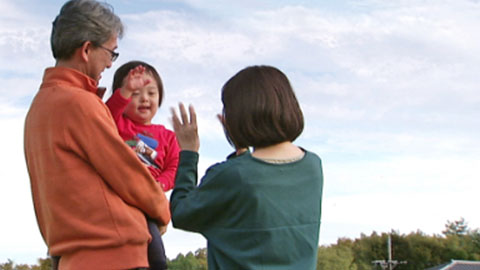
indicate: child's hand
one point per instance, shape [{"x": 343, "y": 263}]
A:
[{"x": 134, "y": 81}]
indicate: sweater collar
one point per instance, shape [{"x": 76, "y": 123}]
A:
[{"x": 72, "y": 77}]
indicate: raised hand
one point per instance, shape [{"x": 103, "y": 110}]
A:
[
  {"x": 185, "y": 129},
  {"x": 134, "y": 81}
]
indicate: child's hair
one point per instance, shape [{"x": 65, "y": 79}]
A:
[
  {"x": 122, "y": 72},
  {"x": 260, "y": 108}
]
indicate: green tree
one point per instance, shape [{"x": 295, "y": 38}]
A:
[
  {"x": 419, "y": 250},
  {"x": 475, "y": 243},
  {"x": 336, "y": 257},
  {"x": 187, "y": 262},
  {"x": 10, "y": 265},
  {"x": 44, "y": 264},
  {"x": 23, "y": 267},
  {"x": 369, "y": 248},
  {"x": 7, "y": 266},
  {"x": 456, "y": 227},
  {"x": 201, "y": 255}
]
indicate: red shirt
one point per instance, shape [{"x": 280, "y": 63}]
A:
[{"x": 167, "y": 148}]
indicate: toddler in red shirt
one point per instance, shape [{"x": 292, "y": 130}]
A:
[{"x": 137, "y": 94}]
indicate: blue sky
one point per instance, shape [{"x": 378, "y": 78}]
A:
[{"x": 389, "y": 90}]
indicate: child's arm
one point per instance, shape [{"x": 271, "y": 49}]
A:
[{"x": 117, "y": 104}]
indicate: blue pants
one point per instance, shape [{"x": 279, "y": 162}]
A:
[{"x": 156, "y": 251}]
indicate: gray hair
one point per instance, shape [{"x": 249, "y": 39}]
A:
[{"x": 80, "y": 21}]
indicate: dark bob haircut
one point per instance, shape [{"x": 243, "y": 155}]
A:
[
  {"x": 122, "y": 72},
  {"x": 260, "y": 108}
]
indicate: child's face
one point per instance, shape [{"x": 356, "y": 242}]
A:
[{"x": 144, "y": 104}]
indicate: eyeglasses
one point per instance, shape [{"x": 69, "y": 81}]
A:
[{"x": 112, "y": 53}]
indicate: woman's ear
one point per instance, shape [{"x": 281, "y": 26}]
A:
[{"x": 221, "y": 118}]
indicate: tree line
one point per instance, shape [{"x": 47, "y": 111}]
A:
[{"x": 417, "y": 249}]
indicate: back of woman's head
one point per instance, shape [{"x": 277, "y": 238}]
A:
[
  {"x": 260, "y": 108},
  {"x": 80, "y": 21},
  {"x": 122, "y": 72}
]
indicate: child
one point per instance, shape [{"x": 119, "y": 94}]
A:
[
  {"x": 258, "y": 210},
  {"x": 137, "y": 93}
]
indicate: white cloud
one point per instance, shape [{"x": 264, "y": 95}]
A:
[
  {"x": 10, "y": 11},
  {"x": 402, "y": 174},
  {"x": 7, "y": 110}
]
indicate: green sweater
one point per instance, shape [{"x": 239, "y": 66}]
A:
[{"x": 254, "y": 214}]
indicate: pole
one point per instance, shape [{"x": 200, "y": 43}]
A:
[{"x": 390, "y": 253}]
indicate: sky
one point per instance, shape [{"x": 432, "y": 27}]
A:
[{"x": 389, "y": 91}]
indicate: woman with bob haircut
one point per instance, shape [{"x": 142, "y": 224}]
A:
[{"x": 258, "y": 209}]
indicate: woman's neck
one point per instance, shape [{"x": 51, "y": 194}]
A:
[{"x": 283, "y": 150}]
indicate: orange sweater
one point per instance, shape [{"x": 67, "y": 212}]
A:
[{"x": 90, "y": 191}]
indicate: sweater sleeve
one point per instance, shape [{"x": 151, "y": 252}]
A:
[
  {"x": 117, "y": 104},
  {"x": 195, "y": 208},
  {"x": 166, "y": 175},
  {"x": 102, "y": 147}
]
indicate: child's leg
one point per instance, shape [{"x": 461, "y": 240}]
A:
[
  {"x": 55, "y": 261},
  {"x": 156, "y": 251}
]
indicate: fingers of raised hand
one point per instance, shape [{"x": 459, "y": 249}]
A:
[
  {"x": 175, "y": 121},
  {"x": 185, "y": 128},
  {"x": 193, "y": 116},
  {"x": 183, "y": 113},
  {"x": 138, "y": 70},
  {"x": 189, "y": 118},
  {"x": 136, "y": 77}
]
